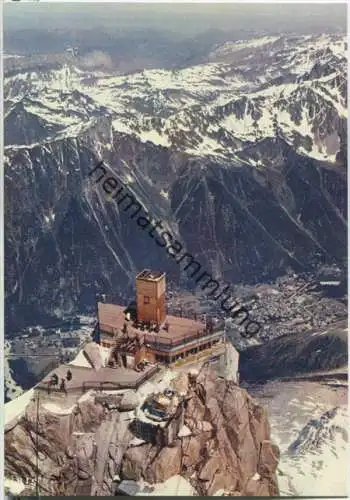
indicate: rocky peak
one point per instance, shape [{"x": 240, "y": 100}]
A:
[{"x": 223, "y": 447}]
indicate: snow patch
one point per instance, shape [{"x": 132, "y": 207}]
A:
[
  {"x": 58, "y": 410},
  {"x": 184, "y": 432},
  {"x": 155, "y": 137},
  {"x": 16, "y": 408},
  {"x": 15, "y": 487},
  {"x": 80, "y": 360}
]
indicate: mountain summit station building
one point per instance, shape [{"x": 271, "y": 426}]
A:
[{"x": 146, "y": 332}]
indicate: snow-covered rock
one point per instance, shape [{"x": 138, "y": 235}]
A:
[{"x": 247, "y": 91}]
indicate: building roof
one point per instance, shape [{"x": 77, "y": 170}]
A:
[
  {"x": 149, "y": 275},
  {"x": 112, "y": 318}
]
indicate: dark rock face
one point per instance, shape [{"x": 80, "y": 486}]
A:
[
  {"x": 22, "y": 127},
  {"x": 65, "y": 241},
  {"x": 227, "y": 447},
  {"x": 298, "y": 354}
]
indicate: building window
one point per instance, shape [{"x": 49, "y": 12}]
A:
[{"x": 146, "y": 299}]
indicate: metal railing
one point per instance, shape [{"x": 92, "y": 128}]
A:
[
  {"x": 169, "y": 343},
  {"x": 100, "y": 385}
]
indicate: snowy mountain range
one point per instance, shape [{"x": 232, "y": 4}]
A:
[
  {"x": 293, "y": 87},
  {"x": 242, "y": 155}
]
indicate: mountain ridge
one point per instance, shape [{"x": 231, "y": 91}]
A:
[{"x": 261, "y": 201}]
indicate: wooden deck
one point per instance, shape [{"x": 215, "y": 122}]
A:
[{"x": 85, "y": 379}]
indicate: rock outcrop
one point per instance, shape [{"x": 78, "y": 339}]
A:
[
  {"x": 129, "y": 401},
  {"x": 226, "y": 446},
  {"x": 229, "y": 363}
]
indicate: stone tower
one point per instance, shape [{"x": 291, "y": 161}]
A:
[{"x": 150, "y": 296}]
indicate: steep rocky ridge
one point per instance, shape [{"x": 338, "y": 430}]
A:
[
  {"x": 84, "y": 449},
  {"x": 298, "y": 354}
]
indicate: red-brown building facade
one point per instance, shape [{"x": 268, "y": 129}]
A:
[{"x": 150, "y": 296}]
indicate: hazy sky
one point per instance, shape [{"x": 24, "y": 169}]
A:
[{"x": 185, "y": 18}]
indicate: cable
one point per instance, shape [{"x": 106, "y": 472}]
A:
[
  {"x": 37, "y": 423},
  {"x": 37, "y": 445}
]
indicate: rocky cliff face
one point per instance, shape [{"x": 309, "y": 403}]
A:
[{"x": 226, "y": 446}]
